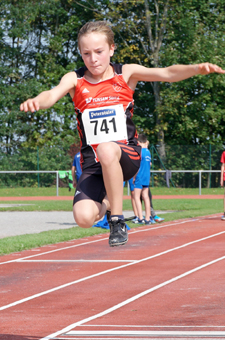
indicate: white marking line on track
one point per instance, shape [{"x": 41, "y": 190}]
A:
[
  {"x": 99, "y": 240},
  {"x": 82, "y": 261},
  {"x": 146, "y": 333},
  {"x": 52, "y": 251},
  {"x": 138, "y": 338},
  {"x": 153, "y": 326},
  {"x": 106, "y": 272},
  {"x": 135, "y": 297}
]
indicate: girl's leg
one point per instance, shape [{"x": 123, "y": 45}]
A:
[
  {"x": 118, "y": 162},
  {"x": 109, "y": 155},
  {"x": 90, "y": 200},
  {"x": 104, "y": 207},
  {"x": 87, "y": 212}
]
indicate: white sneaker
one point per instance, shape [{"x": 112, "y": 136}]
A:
[{"x": 223, "y": 218}]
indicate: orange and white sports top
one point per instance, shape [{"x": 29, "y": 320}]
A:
[{"x": 104, "y": 111}]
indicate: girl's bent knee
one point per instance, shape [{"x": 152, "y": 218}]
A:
[
  {"x": 84, "y": 220},
  {"x": 85, "y": 212}
]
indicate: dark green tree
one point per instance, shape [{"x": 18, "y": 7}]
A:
[
  {"x": 162, "y": 33},
  {"x": 38, "y": 41}
]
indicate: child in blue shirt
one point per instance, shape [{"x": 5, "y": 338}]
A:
[
  {"x": 76, "y": 169},
  {"x": 141, "y": 182}
]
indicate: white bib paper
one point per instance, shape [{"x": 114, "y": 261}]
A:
[{"x": 104, "y": 124}]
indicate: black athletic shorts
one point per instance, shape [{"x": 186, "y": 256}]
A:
[{"x": 91, "y": 184}]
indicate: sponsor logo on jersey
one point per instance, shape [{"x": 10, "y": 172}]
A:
[
  {"x": 117, "y": 87},
  {"x": 102, "y": 99},
  {"x": 102, "y": 113},
  {"x": 88, "y": 100}
]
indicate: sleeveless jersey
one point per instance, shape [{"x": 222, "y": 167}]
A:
[{"x": 104, "y": 111}]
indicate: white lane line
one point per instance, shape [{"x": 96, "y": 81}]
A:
[
  {"x": 53, "y": 251},
  {"x": 106, "y": 272},
  {"x": 99, "y": 240},
  {"x": 153, "y": 326},
  {"x": 135, "y": 297},
  {"x": 146, "y": 333},
  {"x": 81, "y": 261}
]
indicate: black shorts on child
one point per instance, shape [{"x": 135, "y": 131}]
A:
[{"x": 91, "y": 185}]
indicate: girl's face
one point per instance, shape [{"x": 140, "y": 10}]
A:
[{"x": 96, "y": 52}]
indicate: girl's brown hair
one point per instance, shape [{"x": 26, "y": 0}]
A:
[{"x": 102, "y": 27}]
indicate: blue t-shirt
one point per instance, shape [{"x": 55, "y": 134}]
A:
[
  {"x": 143, "y": 175},
  {"x": 76, "y": 163}
]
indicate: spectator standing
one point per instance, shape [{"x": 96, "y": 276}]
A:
[
  {"x": 154, "y": 218},
  {"x": 141, "y": 182},
  {"x": 76, "y": 169},
  {"x": 131, "y": 186}
]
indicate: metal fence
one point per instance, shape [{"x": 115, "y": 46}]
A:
[
  {"x": 40, "y": 162},
  {"x": 199, "y": 172},
  {"x": 37, "y": 173}
]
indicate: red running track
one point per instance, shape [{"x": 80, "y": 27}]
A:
[{"x": 167, "y": 282}]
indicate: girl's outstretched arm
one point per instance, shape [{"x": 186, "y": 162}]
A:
[
  {"x": 133, "y": 73},
  {"x": 48, "y": 98}
]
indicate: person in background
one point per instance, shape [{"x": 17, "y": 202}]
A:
[
  {"x": 131, "y": 185},
  {"x": 222, "y": 181},
  {"x": 154, "y": 218},
  {"x": 141, "y": 182},
  {"x": 76, "y": 169}
]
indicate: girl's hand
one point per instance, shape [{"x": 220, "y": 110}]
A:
[
  {"x": 30, "y": 105},
  {"x": 206, "y": 68}
]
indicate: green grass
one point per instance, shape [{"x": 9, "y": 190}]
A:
[
  {"x": 14, "y": 244},
  {"x": 20, "y": 192},
  {"x": 38, "y": 205},
  {"x": 184, "y": 191},
  {"x": 185, "y": 208}
]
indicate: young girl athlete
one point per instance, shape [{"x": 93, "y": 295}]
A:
[{"x": 102, "y": 93}]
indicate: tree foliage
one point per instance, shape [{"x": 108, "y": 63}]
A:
[
  {"x": 162, "y": 33},
  {"x": 38, "y": 45}
]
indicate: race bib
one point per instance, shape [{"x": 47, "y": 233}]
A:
[{"x": 104, "y": 124}]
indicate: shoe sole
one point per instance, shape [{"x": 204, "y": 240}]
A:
[{"x": 118, "y": 243}]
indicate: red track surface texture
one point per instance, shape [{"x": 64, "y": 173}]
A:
[{"x": 167, "y": 282}]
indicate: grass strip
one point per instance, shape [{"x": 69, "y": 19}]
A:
[
  {"x": 19, "y": 243},
  {"x": 21, "y": 192},
  {"x": 185, "y": 208}
]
